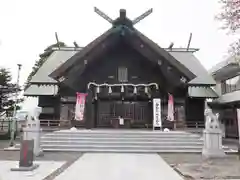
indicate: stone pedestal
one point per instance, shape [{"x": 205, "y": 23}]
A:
[
  {"x": 212, "y": 147},
  {"x": 33, "y": 131},
  {"x": 212, "y": 136}
]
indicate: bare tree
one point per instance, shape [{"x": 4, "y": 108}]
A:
[{"x": 230, "y": 16}]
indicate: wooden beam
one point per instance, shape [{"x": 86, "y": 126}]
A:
[
  {"x": 103, "y": 15},
  {"x": 142, "y": 16}
]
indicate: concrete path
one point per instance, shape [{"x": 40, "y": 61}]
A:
[
  {"x": 45, "y": 168},
  {"x": 119, "y": 166}
]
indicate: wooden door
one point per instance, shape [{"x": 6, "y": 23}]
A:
[
  {"x": 136, "y": 113},
  {"x": 142, "y": 114}
]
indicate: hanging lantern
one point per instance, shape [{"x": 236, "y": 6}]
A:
[
  {"x": 109, "y": 90},
  {"x": 135, "y": 90},
  {"x": 98, "y": 89},
  {"x": 95, "y": 97},
  {"x": 122, "y": 89},
  {"x": 149, "y": 95},
  {"x": 146, "y": 89}
]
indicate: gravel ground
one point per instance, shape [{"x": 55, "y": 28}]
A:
[{"x": 193, "y": 166}]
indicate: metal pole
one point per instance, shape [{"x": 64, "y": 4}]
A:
[{"x": 13, "y": 126}]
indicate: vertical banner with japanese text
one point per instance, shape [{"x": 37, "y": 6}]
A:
[
  {"x": 170, "y": 115},
  {"x": 80, "y": 106},
  {"x": 157, "y": 120}
]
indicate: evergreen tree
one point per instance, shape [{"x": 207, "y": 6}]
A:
[
  {"x": 43, "y": 57},
  {"x": 7, "y": 91}
]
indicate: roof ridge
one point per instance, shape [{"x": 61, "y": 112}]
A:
[{"x": 67, "y": 48}]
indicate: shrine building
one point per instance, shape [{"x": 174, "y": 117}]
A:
[{"x": 121, "y": 72}]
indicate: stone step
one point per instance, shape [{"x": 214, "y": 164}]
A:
[
  {"x": 139, "y": 150},
  {"x": 119, "y": 132},
  {"x": 123, "y": 136},
  {"x": 114, "y": 150},
  {"x": 119, "y": 139},
  {"x": 118, "y": 146},
  {"x": 123, "y": 143}
]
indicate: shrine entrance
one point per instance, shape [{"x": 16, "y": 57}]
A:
[{"x": 133, "y": 114}]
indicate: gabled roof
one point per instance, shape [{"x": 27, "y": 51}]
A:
[
  {"x": 202, "y": 80},
  {"x": 44, "y": 90},
  {"x": 187, "y": 58},
  {"x": 200, "y": 92},
  {"x": 194, "y": 65},
  {"x": 58, "y": 73},
  {"x": 230, "y": 60},
  {"x": 56, "y": 59},
  {"x": 68, "y": 64},
  {"x": 165, "y": 54},
  {"x": 189, "y": 61},
  {"x": 184, "y": 60},
  {"x": 61, "y": 61},
  {"x": 225, "y": 69}
]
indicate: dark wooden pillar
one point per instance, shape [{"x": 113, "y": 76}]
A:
[
  {"x": 186, "y": 111},
  {"x": 89, "y": 111},
  {"x": 57, "y": 106}
]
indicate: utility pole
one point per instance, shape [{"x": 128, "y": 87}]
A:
[{"x": 13, "y": 122}]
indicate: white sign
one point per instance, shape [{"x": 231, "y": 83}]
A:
[
  {"x": 121, "y": 121},
  {"x": 238, "y": 118},
  {"x": 157, "y": 120}
]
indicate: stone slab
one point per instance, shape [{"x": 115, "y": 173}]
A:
[
  {"x": 31, "y": 168},
  {"x": 119, "y": 166},
  {"x": 45, "y": 168}
]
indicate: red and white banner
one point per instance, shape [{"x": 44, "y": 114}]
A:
[
  {"x": 170, "y": 115},
  {"x": 80, "y": 106}
]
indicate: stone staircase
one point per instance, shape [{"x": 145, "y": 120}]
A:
[{"x": 121, "y": 141}]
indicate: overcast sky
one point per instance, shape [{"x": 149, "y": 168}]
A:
[{"x": 27, "y": 26}]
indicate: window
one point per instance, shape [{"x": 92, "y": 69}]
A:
[
  {"x": 231, "y": 85},
  {"x": 122, "y": 74}
]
